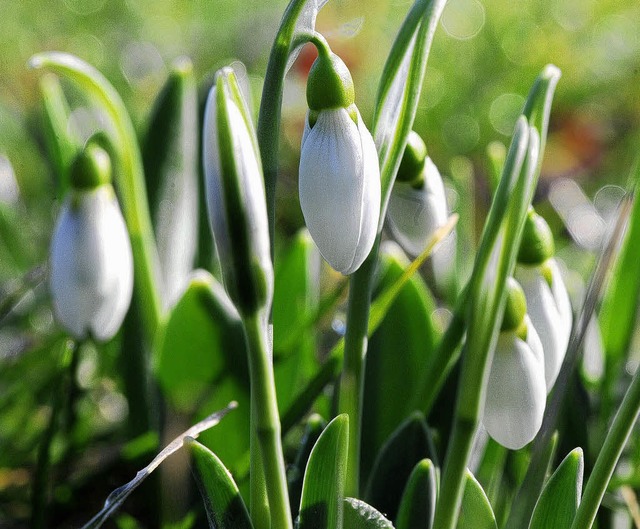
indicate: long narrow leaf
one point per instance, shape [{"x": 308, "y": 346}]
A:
[
  {"x": 620, "y": 303},
  {"x": 61, "y": 144},
  {"x": 117, "y": 497},
  {"x": 170, "y": 156},
  {"x": 400, "y": 88}
]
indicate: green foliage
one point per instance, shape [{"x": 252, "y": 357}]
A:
[
  {"x": 222, "y": 500},
  {"x": 475, "y": 510},
  {"x": 418, "y": 503},
  {"x": 296, "y": 296},
  {"x": 397, "y": 357},
  {"x": 408, "y": 445},
  {"x": 560, "y": 497},
  {"x": 200, "y": 345},
  {"x": 360, "y": 515},
  {"x": 322, "y": 501}
]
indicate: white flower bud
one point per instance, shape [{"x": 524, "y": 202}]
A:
[
  {"x": 236, "y": 197},
  {"x": 416, "y": 213},
  {"x": 516, "y": 390},
  {"x": 340, "y": 187},
  {"x": 549, "y": 308},
  {"x": 91, "y": 274}
]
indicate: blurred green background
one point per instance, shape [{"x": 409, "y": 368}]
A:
[{"x": 484, "y": 58}]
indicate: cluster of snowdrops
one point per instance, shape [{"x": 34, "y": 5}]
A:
[{"x": 513, "y": 317}]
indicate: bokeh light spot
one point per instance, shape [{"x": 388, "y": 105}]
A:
[
  {"x": 504, "y": 112},
  {"x": 141, "y": 61},
  {"x": 463, "y": 19}
]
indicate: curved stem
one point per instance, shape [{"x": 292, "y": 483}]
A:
[
  {"x": 129, "y": 179},
  {"x": 265, "y": 424},
  {"x": 268, "y": 130}
]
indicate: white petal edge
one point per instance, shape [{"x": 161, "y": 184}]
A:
[
  {"x": 415, "y": 214},
  {"x": 550, "y": 311},
  {"x": 331, "y": 187},
  {"x": 516, "y": 390}
]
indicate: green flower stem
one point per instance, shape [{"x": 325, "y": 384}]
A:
[
  {"x": 609, "y": 455},
  {"x": 379, "y": 308},
  {"x": 258, "y": 498},
  {"x": 355, "y": 348},
  {"x": 43, "y": 465},
  {"x": 268, "y": 130},
  {"x": 265, "y": 424},
  {"x": 486, "y": 302}
]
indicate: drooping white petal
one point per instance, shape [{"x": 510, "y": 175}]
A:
[
  {"x": 370, "y": 212},
  {"x": 91, "y": 265},
  {"x": 516, "y": 390},
  {"x": 414, "y": 214},
  {"x": 550, "y": 311},
  {"x": 340, "y": 188}
]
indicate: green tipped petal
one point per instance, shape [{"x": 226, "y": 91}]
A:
[
  {"x": 329, "y": 84},
  {"x": 413, "y": 159},
  {"x": 537, "y": 240},
  {"x": 91, "y": 168},
  {"x": 516, "y": 308}
]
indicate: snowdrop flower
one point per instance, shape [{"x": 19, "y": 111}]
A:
[
  {"x": 516, "y": 390},
  {"x": 547, "y": 299},
  {"x": 236, "y": 198},
  {"x": 417, "y": 206},
  {"x": 91, "y": 265},
  {"x": 339, "y": 177}
]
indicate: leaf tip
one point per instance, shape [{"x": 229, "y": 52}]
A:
[
  {"x": 36, "y": 61},
  {"x": 551, "y": 73}
]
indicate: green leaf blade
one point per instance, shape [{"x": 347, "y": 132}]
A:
[
  {"x": 322, "y": 502},
  {"x": 400, "y": 88},
  {"x": 202, "y": 332},
  {"x": 418, "y": 503},
  {"x": 397, "y": 355},
  {"x": 560, "y": 498},
  {"x": 408, "y": 445},
  {"x": 223, "y": 503},
  {"x": 361, "y": 515},
  {"x": 475, "y": 511}
]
